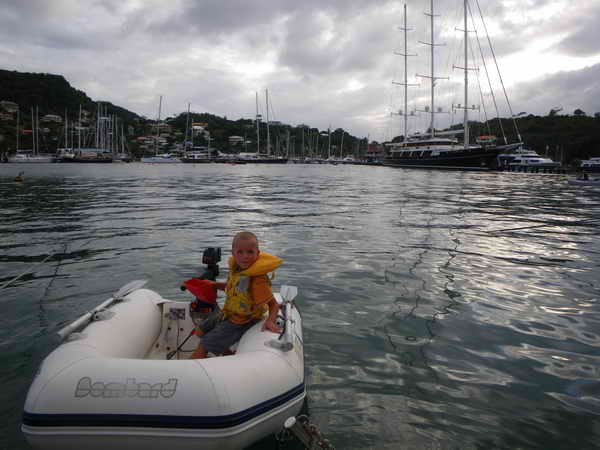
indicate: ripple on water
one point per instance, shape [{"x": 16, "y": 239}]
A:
[{"x": 440, "y": 309}]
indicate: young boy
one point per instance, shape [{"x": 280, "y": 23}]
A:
[{"x": 249, "y": 297}]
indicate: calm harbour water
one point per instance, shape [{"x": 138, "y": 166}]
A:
[{"x": 442, "y": 310}]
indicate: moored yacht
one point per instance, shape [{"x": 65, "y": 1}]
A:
[
  {"x": 198, "y": 155},
  {"x": 590, "y": 165},
  {"x": 260, "y": 158},
  {"x": 441, "y": 150},
  {"x": 522, "y": 158},
  {"x": 162, "y": 158},
  {"x": 27, "y": 156}
]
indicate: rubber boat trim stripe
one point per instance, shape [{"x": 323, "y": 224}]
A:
[{"x": 160, "y": 421}]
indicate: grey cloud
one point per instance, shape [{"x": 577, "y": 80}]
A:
[
  {"x": 131, "y": 52},
  {"x": 584, "y": 40},
  {"x": 570, "y": 90}
]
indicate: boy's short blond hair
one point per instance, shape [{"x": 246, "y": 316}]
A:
[{"x": 244, "y": 236}]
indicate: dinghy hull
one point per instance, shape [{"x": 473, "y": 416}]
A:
[{"x": 111, "y": 386}]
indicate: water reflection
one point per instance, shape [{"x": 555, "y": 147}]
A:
[{"x": 441, "y": 310}]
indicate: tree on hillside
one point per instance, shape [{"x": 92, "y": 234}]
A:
[{"x": 555, "y": 111}]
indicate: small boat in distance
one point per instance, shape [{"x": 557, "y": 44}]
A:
[
  {"x": 522, "y": 158},
  {"x": 28, "y": 156},
  {"x": 85, "y": 155},
  {"x": 591, "y": 165},
  {"x": 159, "y": 158},
  {"x": 197, "y": 156},
  {"x": 260, "y": 158},
  {"x": 162, "y": 158}
]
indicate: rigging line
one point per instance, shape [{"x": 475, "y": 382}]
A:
[
  {"x": 498, "y": 70},
  {"x": 489, "y": 82},
  {"x": 64, "y": 251},
  {"x": 38, "y": 264},
  {"x": 27, "y": 271},
  {"x": 487, "y": 124},
  {"x": 270, "y": 106}
]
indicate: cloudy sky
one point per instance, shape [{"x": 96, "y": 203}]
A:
[{"x": 324, "y": 62}]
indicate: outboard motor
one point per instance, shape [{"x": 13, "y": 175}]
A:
[{"x": 202, "y": 288}]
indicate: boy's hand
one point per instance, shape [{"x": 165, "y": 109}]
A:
[{"x": 271, "y": 326}]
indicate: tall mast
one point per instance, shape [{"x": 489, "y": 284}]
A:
[
  {"x": 32, "y": 130},
  {"x": 187, "y": 129},
  {"x": 466, "y": 69},
  {"x": 79, "y": 129},
  {"x": 405, "y": 84},
  {"x": 18, "y": 118},
  {"x": 257, "y": 127},
  {"x": 466, "y": 116},
  {"x": 158, "y": 126},
  {"x": 66, "y": 131},
  {"x": 432, "y": 77},
  {"x": 98, "y": 125},
  {"x": 37, "y": 129},
  {"x": 268, "y": 138}
]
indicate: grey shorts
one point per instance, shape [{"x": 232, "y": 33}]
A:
[{"x": 219, "y": 334}]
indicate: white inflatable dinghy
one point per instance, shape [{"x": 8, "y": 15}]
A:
[{"x": 111, "y": 386}]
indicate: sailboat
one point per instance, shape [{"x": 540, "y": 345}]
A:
[
  {"x": 195, "y": 154},
  {"x": 159, "y": 158},
  {"x": 33, "y": 155},
  {"x": 261, "y": 158},
  {"x": 100, "y": 152},
  {"x": 442, "y": 150}
]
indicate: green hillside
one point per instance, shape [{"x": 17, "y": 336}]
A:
[{"x": 52, "y": 94}]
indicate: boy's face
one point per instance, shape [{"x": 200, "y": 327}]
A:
[{"x": 245, "y": 253}]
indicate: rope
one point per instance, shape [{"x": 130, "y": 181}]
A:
[
  {"x": 27, "y": 271},
  {"x": 42, "y": 262}
]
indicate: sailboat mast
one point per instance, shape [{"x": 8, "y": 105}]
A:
[
  {"x": 158, "y": 126},
  {"x": 466, "y": 116},
  {"x": 432, "y": 76},
  {"x": 37, "y": 129},
  {"x": 405, "y": 76},
  {"x": 257, "y": 127},
  {"x": 32, "y": 131},
  {"x": 404, "y": 113},
  {"x": 79, "y": 129},
  {"x": 431, "y": 123},
  {"x": 187, "y": 129},
  {"x": 268, "y": 138},
  {"x": 66, "y": 131},
  {"x": 18, "y": 120},
  {"x": 406, "y": 84}
]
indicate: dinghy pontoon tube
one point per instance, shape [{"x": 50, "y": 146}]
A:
[{"x": 110, "y": 386}]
